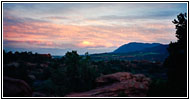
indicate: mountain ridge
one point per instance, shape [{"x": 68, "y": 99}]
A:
[{"x": 144, "y": 47}]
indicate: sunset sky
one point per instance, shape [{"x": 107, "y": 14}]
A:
[{"x": 56, "y": 28}]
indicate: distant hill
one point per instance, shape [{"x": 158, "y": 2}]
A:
[
  {"x": 161, "y": 49},
  {"x": 135, "y": 51},
  {"x": 143, "y": 47}
]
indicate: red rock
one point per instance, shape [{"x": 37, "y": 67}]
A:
[
  {"x": 15, "y": 88},
  {"x": 132, "y": 85},
  {"x": 111, "y": 78}
]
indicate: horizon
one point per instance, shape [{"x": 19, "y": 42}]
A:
[
  {"x": 56, "y": 28},
  {"x": 74, "y": 50}
]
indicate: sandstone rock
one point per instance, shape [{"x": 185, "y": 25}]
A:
[
  {"x": 113, "y": 84},
  {"x": 117, "y": 77},
  {"x": 15, "y": 88}
]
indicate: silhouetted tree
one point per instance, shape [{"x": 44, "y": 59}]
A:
[
  {"x": 79, "y": 71},
  {"x": 177, "y": 59},
  {"x": 77, "y": 74},
  {"x": 72, "y": 60}
]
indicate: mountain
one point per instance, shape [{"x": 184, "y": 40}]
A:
[
  {"x": 135, "y": 46},
  {"x": 135, "y": 51},
  {"x": 161, "y": 49}
]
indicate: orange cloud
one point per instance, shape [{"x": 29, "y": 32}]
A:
[{"x": 46, "y": 34}]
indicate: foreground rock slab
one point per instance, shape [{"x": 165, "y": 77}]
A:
[
  {"x": 118, "y": 84},
  {"x": 15, "y": 88}
]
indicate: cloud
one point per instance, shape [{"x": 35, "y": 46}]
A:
[
  {"x": 104, "y": 26},
  {"x": 34, "y": 33},
  {"x": 11, "y": 20},
  {"x": 35, "y": 44},
  {"x": 147, "y": 16},
  {"x": 56, "y": 18}
]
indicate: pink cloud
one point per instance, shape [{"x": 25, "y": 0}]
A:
[{"x": 47, "y": 34}]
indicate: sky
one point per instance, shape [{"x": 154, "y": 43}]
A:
[{"x": 56, "y": 28}]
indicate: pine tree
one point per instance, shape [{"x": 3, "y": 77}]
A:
[{"x": 177, "y": 59}]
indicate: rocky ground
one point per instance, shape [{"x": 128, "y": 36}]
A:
[
  {"x": 112, "y": 85},
  {"x": 118, "y": 84}
]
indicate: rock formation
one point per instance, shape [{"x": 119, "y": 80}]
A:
[
  {"x": 15, "y": 88},
  {"x": 117, "y": 84}
]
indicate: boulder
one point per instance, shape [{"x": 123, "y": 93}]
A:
[
  {"x": 113, "y": 85},
  {"x": 112, "y": 78},
  {"x": 15, "y": 88}
]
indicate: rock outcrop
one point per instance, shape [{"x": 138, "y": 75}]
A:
[
  {"x": 118, "y": 84},
  {"x": 15, "y": 88}
]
